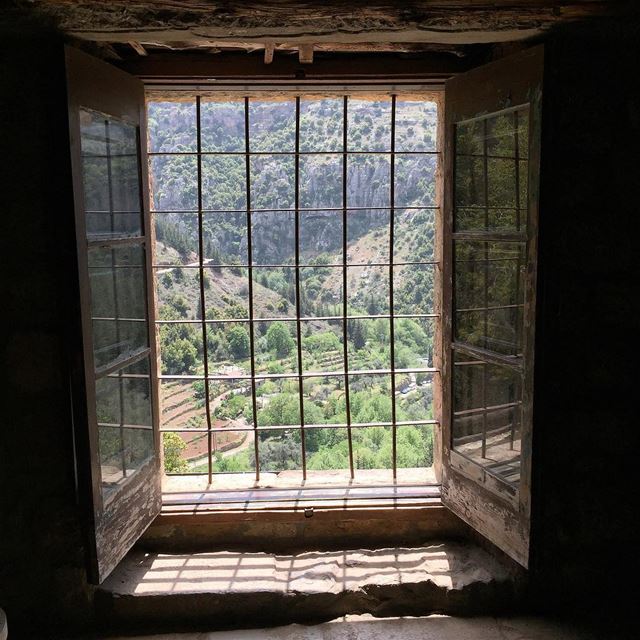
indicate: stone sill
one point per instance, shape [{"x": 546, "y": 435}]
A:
[{"x": 288, "y": 491}]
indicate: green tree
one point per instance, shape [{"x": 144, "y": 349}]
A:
[
  {"x": 279, "y": 340},
  {"x": 173, "y": 446},
  {"x": 239, "y": 343}
]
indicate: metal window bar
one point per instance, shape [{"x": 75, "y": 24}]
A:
[
  {"x": 345, "y": 303},
  {"x": 252, "y": 352},
  {"x": 210, "y": 430},
  {"x": 207, "y": 401},
  {"x": 303, "y": 447}
]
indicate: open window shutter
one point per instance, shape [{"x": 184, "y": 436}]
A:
[
  {"x": 492, "y": 152},
  {"x": 107, "y": 125}
]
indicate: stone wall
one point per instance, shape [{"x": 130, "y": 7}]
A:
[
  {"x": 585, "y": 423},
  {"x": 42, "y": 574}
]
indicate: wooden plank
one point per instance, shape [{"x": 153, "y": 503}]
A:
[
  {"x": 305, "y": 53},
  {"x": 138, "y": 48},
  {"x": 269, "y": 49}
]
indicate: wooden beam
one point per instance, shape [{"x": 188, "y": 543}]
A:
[
  {"x": 298, "y": 21},
  {"x": 176, "y": 66},
  {"x": 269, "y": 48},
  {"x": 138, "y": 48},
  {"x": 305, "y": 53}
]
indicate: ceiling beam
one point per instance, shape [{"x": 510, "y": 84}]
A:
[{"x": 299, "y": 21}]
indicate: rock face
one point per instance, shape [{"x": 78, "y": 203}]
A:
[{"x": 230, "y": 589}]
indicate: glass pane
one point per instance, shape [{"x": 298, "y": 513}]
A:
[
  {"x": 369, "y": 125},
  {"x": 111, "y": 460},
  {"x": 182, "y": 404},
  {"x": 272, "y": 125},
  {"x": 274, "y": 292},
  {"x": 273, "y": 237},
  {"x": 172, "y": 126},
  {"x": 181, "y": 350},
  {"x": 273, "y": 182},
  {"x": 123, "y": 398},
  {"x": 118, "y": 302},
  {"x": 370, "y": 398},
  {"x": 320, "y": 237},
  {"x": 501, "y": 182},
  {"x": 174, "y": 183},
  {"x": 93, "y": 133},
  {"x": 321, "y": 292},
  {"x": 123, "y": 406},
  {"x": 280, "y": 450},
  {"x": 470, "y": 188},
  {"x": 414, "y": 396},
  {"x": 226, "y": 293},
  {"x": 368, "y": 290},
  {"x": 368, "y": 236},
  {"x": 222, "y": 126},
  {"x": 324, "y": 400},
  {"x": 321, "y": 124},
  {"x": 278, "y": 402},
  {"x": 413, "y": 342},
  {"x": 224, "y": 180},
  {"x": 176, "y": 239},
  {"x": 125, "y": 184},
  {"x": 489, "y": 295},
  {"x": 368, "y": 344},
  {"x": 414, "y": 235},
  {"x": 416, "y": 125},
  {"x": 321, "y": 181},
  {"x": 415, "y": 180},
  {"x": 178, "y": 293},
  {"x": 491, "y": 179},
  {"x": 368, "y": 181},
  {"x": 487, "y": 406},
  {"x": 138, "y": 448},
  {"x": 225, "y": 238},
  {"x": 231, "y": 405},
  {"x": 276, "y": 347},
  {"x": 322, "y": 348},
  {"x": 110, "y": 176}
]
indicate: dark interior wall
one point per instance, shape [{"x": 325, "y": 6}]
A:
[
  {"x": 585, "y": 467},
  {"x": 586, "y": 443},
  {"x": 42, "y": 574}
]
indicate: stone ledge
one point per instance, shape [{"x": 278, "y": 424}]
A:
[{"x": 228, "y": 589}]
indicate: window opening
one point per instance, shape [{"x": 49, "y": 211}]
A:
[{"x": 296, "y": 270}]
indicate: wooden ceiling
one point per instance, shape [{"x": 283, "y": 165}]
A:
[{"x": 124, "y": 28}]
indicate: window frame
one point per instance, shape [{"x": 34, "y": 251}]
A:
[{"x": 397, "y": 91}]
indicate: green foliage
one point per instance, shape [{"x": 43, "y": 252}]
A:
[
  {"x": 239, "y": 344},
  {"x": 279, "y": 340},
  {"x": 173, "y": 446}
]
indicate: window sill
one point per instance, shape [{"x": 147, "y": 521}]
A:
[{"x": 286, "y": 491}]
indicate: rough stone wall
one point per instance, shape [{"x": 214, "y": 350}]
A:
[
  {"x": 42, "y": 575},
  {"x": 586, "y": 426}
]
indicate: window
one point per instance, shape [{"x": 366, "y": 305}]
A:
[{"x": 296, "y": 273}]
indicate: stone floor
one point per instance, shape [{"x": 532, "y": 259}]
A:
[{"x": 428, "y": 628}]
